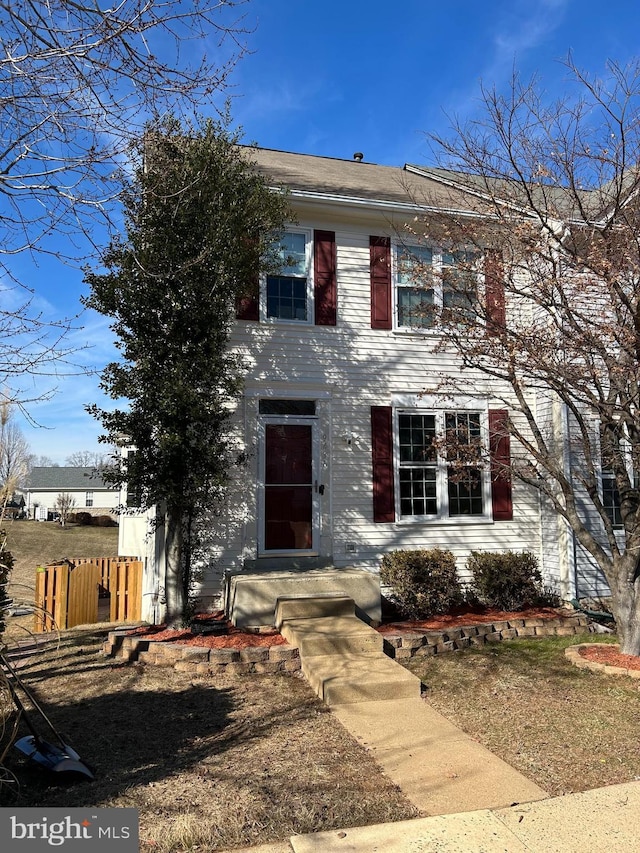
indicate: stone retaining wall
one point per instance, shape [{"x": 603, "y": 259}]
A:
[
  {"x": 203, "y": 660},
  {"x": 406, "y": 644}
]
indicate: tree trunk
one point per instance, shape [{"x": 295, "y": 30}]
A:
[
  {"x": 626, "y": 605},
  {"x": 173, "y": 580}
]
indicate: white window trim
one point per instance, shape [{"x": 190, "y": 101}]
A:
[
  {"x": 442, "y": 492},
  {"x": 308, "y": 235},
  {"x": 437, "y": 254}
]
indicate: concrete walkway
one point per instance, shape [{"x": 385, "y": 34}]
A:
[
  {"x": 438, "y": 767},
  {"x": 605, "y": 819},
  {"x": 473, "y": 801}
]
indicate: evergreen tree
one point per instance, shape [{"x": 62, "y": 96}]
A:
[{"x": 200, "y": 223}]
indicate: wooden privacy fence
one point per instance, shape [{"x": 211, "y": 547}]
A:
[{"x": 83, "y": 591}]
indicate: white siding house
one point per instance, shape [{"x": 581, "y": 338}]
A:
[
  {"x": 339, "y": 386},
  {"x": 85, "y": 486},
  {"x": 344, "y": 395}
]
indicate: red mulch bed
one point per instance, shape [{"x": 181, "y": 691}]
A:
[
  {"x": 459, "y": 618},
  {"x": 230, "y": 637},
  {"x": 609, "y": 655}
]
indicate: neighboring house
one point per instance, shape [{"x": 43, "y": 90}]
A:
[
  {"x": 341, "y": 400},
  {"x": 85, "y": 485}
]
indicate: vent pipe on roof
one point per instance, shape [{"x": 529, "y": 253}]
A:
[{"x": 358, "y": 156}]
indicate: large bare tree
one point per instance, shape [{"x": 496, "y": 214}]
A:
[
  {"x": 553, "y": 189},
  {"x": 78, "y": 81},
  {"x": 14, "y": 454}
]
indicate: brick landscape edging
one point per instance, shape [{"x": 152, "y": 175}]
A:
[
  {"x": 408, "y": 644},
  {"x": 202, "y": 660}
]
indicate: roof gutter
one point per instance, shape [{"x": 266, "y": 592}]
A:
[{"x": 379, "y": 204}]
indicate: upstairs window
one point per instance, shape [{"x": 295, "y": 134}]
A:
[
  {"x": 287, "y": 292},
  {"x": 460, "y": 284},
  {"x": 414, "y": 283},
  {"x": 430, "y": 282},
  {"x": 88, "y": 499}
]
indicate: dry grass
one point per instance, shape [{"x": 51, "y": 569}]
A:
[
  {"x": 211, "y": 764},
  {"x": 565, "y": 728},
  {"x": 36, "y": 543}
]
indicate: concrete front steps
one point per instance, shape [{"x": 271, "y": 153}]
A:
[{"x": 342, "y": 658}]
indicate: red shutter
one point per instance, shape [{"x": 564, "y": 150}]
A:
[
  {"x": 382, "y": 445},
  {"x": 324, "y": 277},
  {"x": 380, "y": 261},
  {"x": 494, "y": 289},
  {"x": 500, "y": 453}
]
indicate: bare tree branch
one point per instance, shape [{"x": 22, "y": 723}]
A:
[
  {"x": 556, "y": 189},
  {"x": 78, "y": 82}
]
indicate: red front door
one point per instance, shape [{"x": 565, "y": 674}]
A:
[{"x": 288, "y": 487}]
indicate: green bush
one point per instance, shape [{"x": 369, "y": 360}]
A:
[
  {"x": 83, "y": 518},
  {"x": 422, "y": 582},
  {"x": 508, "y": 580}
]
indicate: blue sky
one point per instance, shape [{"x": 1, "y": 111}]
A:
[{"x": 337, "y": 77}]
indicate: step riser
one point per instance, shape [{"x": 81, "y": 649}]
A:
[
  {"x": 339, "y": 646},
  {"x": 313, "y": 608},
  {"x": 347, "y": 691},
  {"x": 340, "y": 689},
  {"x": 367, "y": 642}
]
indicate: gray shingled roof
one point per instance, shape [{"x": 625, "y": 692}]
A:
[
  {"x": 65, "y": 478},
  {"x": 426, "y": 186},
  {"x": 349, "y": 179}
]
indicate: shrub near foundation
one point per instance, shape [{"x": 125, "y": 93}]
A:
[
  {"x": 423, "y": 582},
  {"x": 508, "y": 580}
]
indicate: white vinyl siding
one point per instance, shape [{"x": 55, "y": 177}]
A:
[{"x": 352, "y": 367}]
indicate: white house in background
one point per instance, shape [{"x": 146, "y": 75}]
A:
[
  {"x": 85, "y": 485},
  {"x": 335, "y": 423}
]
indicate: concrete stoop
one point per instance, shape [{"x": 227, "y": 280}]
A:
[
  {"x": 342, "y": 657},
  {"x": 252, "y": 598}
]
